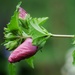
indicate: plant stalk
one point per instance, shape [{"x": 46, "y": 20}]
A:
[
  {"x": 12, "y": 69},
  {"x": 62, "y": 36}
]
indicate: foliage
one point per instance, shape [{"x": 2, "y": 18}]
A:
[{"x": 20, "y": 29}]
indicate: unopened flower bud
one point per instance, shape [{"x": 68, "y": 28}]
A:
[
  {"x": 25, "y": 50},
  {"x": 22, "y": 13}
]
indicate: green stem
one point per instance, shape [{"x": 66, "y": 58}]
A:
[
  {"x": 62, "y": 36},
  {"x": 12, "y": 69}
]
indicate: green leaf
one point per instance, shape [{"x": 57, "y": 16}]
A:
[
  {"x": 73, "y": 57},
  {"x": 10, "y": 45},
  {"x": 13, "y": 33},
  {"x": 24, "y": 25},
  {"x": 13, "y": 25},
  {"x": 40, "y": 42},
  {"x": 41, "y": 21},
  {"x": 11, "y": 69},
  {"x": 10, "y": 36},
  {"x": 39, "y": 33},
  {"x": 17, "y": 7},
  {"x": 30, "y": 61},
  {"x": 35, "y": 30}
]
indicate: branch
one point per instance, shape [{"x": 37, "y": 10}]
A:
[{"x": 62, "y": 36}]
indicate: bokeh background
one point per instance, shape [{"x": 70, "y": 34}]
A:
[{"x": 61, "y": 20}]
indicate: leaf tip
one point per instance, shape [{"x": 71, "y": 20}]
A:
[{"x": 18, "y": 5}]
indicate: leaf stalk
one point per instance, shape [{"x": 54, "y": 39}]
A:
[{"x": 62, "y": 36}]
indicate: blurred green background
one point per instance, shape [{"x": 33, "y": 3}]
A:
[{"x": 61, "y": 20}]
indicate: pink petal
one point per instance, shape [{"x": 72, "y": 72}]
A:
[
  {"x": 25, "y": 50},
  {"x": 22, "y": 13}
]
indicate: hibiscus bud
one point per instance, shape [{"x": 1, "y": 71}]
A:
[
  {"x": 22, "y": 13},
  {"x": 25, "y": 50}
]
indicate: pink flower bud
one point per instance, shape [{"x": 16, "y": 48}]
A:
[
  {"x": 22, "y": 13},
  {"x": 25, "y": 50}
]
